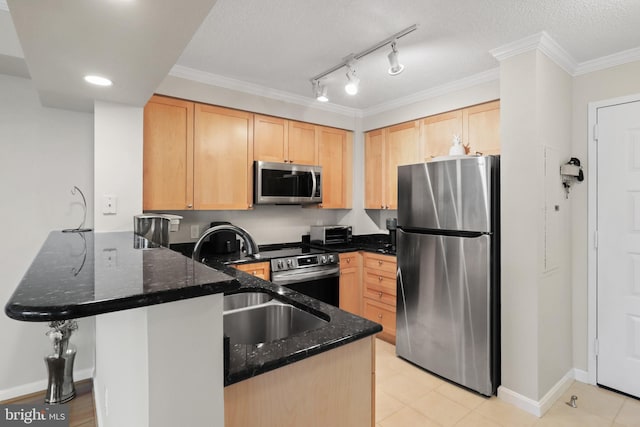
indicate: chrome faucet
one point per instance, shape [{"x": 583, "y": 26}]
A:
[{"x": 250, "y": 245}]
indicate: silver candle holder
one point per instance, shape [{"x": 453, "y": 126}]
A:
[{"x": 60, "y": 388}]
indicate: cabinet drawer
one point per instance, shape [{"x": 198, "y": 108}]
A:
[
  {"x": 383, "y": 314},
  {"x": 380, "y": 262},
  {"x": 376, "y": 281},
  {"x": 258, "y": 269},
  {"x": 350, "y": 259}
]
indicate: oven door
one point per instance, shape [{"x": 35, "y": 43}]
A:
[{"x": 321, "y": 283}]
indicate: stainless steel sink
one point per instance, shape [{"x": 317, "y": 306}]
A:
[
  {"x": 268, "y": 322},
  {"x": 245, "y": 299}
]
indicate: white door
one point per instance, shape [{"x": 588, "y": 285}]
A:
[{"x": 618, "y": 224}]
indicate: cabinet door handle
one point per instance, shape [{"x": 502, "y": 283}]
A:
[
  {"x": 381, "y": 206},
  {"x": 379, "y": 262},
  {"x": 379, "y": 278},
  {"x": 348, "y": 260},
  {"x": 189, "y": 205},
  {"x": 379, "y": 316},
  {"x": 379, "y": 294}
]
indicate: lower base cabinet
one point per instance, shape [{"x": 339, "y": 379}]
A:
[
  {"x": 258, "y": 269},
  {"x": 379, "y": 292},
  {"x": 335, "y": 388}
]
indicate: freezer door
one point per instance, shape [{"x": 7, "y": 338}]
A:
[
  {"x": 448, "y": 194},
  {"x": 443, "y": 314}
]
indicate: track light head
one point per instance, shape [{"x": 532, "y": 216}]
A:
[
  {"x": 352, "y": 82},
  {"x": 320, "y": 91},
  {"x": 395, "y": 67}
]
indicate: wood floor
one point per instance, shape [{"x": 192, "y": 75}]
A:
[{"x": 81, "y": 408}]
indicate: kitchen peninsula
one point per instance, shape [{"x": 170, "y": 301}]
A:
[{"x": 159, "y": 354}]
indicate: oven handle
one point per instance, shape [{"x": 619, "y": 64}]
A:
[{"x": 297, "y": 277}]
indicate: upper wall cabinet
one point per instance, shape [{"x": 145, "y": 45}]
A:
[
  {"x": 335, "y": 155},
  {"x": 385, "y": 150},
  {"x": 223, "y": 158},
  {"x": 481, "y": 128},
  {"x": 280, "y": 140},
  {"x": 196, "y": 156},
  {"x": 477, "y": 126},
  {"x": 168, "y": 154}
]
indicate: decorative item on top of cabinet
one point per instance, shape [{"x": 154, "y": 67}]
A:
[
  {"x": 335, "y": 154},
  {"x": 258, "y": 269},
  {"x": 385, "y": 150},
  {"x": 438, "y": 131},
  {"x": 379, "y": 277},
  {"x": 223, "y": 158},
  {"x": 350, "y": 282},
  {"x": 167, "y": 178},
  {"x": 279, "y": 140}
]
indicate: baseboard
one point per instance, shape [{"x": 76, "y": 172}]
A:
[
  {"x": 36, "y": 386},
  {"x": 582, "y": 376},
  {"x": 540, "y": 407}
]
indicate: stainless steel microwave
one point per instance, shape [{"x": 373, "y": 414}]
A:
[{"x": 286, "y": 183}]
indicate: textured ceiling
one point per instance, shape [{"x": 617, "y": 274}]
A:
[
  {"x": 282, "y": 44},
  {"x": 276, "y": 46}
]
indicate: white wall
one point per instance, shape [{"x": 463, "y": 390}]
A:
[
  {"x": 536, "y": 292},
  {"x": 118, "y": 164},
  {"x": 45, "y": 152},
  {"x": 610, "y": 83}
]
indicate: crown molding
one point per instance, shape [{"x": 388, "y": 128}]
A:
[
  {"x": 540, "y": 41},
  {"x": 476, "y": 79},
  {"x": 608, "y": 61},
  {"x": 4, "y": 6},
  {"x": 258, "y": 90}
]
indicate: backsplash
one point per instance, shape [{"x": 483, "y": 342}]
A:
[{"x": 266, "y": 224}]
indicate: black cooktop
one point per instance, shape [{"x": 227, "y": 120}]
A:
[{"x": 289, "y": 250}]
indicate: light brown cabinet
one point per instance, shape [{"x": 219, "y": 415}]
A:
[
  {"x": 379, "y": 292},
  {"x": 385, "y": 150},
  {"x": 280, "y": 140},
  {"x": 334, "y": 388},
  {"x": 196, "y": 156},
  {"x": 477, "y": 126},
  {"x": 258, "y": 269},
  {"x": 481, "y": 128},
  {"x": 335, "y": 155},
  {"x": 222, "y": 158},
  {"x": 350, "y": 282},
  {"x": 167, "y": 180}
]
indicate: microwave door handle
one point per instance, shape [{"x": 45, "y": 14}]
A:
[{"x": 313, "y": 181}]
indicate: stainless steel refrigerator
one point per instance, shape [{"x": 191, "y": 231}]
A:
[{"x": 449, "y": 269}]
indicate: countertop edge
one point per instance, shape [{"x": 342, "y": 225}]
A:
[{"x": 75, "y": 311}]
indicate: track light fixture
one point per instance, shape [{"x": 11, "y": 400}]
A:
[
  {"x": 353, "y": 82},
  {"x": 395, "y": 67},
  {"x": 320, "y": 91}
]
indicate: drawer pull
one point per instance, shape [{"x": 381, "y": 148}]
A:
[
  {"x": 379, "y": 278},
  {"x": 380, "y": 294},
  {"x": 379, "y": 262},
  {"x": 379, "y": 316},
  {"x": 348, "y": 260}
]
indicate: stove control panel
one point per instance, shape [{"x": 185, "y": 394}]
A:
[{"x": 304, "y": 261}]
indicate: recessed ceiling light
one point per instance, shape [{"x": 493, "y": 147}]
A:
[{"x": 97, "y": 80}]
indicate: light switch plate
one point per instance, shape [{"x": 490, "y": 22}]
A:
[
  {"x": 109, "y": 204},
  {"x": 195, "y": 231}
]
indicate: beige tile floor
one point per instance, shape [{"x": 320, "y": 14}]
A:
[{"x": 410, "y": 397}]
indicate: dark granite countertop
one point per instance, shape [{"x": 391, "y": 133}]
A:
[
  {"x": 246, "y": 361},
  {"x": 83, "y": 274}
]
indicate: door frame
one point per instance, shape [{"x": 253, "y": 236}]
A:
[{"x": 592, "y": 259}]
